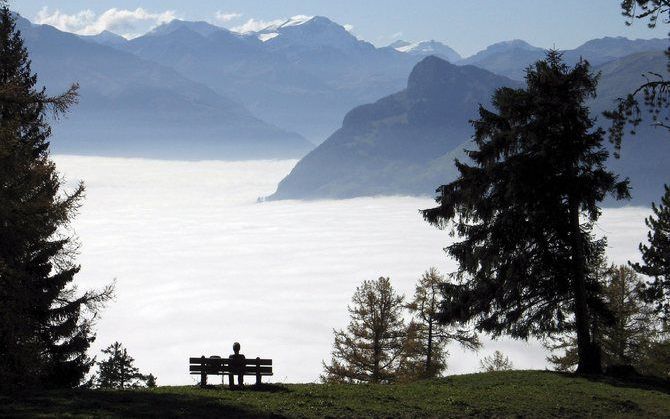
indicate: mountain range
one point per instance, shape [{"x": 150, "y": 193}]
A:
[
  {"x": 406, "y": 143},
  {"x": 134, "y": 107},
  {"x": 304, "y": 74},
  {"x": 301, "y": 75},
  {"x": 195, "y": 90},
  {"x": 511, "y": 58}
]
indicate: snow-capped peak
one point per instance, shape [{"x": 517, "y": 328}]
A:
[
  {"x": 293, "y": 21},
  {"x": 409, "y": 46},
  {"x": 296, "y": 21},
  {"x": 425, "y": 48}
]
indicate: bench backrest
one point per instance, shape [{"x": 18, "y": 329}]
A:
[{"x": 217, "y": 366}]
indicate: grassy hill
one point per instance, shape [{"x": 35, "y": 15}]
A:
[{"x": 501, "y": 394}]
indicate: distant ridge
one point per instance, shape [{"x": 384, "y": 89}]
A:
[{"x": 402, "y": 144}]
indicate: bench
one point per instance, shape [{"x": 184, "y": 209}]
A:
[{"x": 215, "y": 365}]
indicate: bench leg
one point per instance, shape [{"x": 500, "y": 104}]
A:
[
  {"x": 230, "y": 381},
  {"x": 203, "y": 372},
  {"x": 258, "y": 370}
]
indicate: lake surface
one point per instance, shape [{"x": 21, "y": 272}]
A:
[{"x": 199, "y": 264}]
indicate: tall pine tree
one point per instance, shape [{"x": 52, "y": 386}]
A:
[
  {"x": 45, "y": 325},
  {"x": 656, "y": 255},
  {"x": 525, "y": 209}
]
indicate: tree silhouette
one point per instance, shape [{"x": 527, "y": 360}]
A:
[
  {"x": 631, "y": 338},
  {"x": 372, "y": 347},
  {"x": 656, "y": 255},
  {"x": 525, "y": 210},
  {"x": 150, "y": 381},
  {"x": 45, "y": 324},
  {"x": 119, "y": 372},
  {"x": 430, "y": 335},
  {"x": 496, "y": 362}
]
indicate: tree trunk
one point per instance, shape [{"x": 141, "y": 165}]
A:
[
  {"x": 429, "y": 352},
  {"x": 376, "y": 355},
  {"x": 588, "y": 351}
]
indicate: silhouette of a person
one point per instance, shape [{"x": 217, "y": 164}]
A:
[{"x": 237, "y": 363}]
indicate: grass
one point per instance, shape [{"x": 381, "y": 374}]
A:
[{"x": 501, "y": 394}]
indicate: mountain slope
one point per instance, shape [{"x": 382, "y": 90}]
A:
[
  {"x": 399, "y": 144},
  {"x": 603, "y": 50},
  {"x": 133, "y": 107},
  {"x": 509, "y": 58}
]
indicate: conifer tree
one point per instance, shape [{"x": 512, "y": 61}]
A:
[
  {"x": 525, "y": 209},
  {"x": 150, "y": 380},
  {"x": 372, "y": 347},
  {"x": 430, "y": 335},
  {"x": 496, "y": 362},
  {"x": 118, "y": 371},
  {"x": 45, "y": 324},
  {"x": 656, "y": 255},
  {"x": 632, "y": 334}
]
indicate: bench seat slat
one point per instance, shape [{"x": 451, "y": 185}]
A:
[
  {"x": 226, "y": 361},
  {"x": 226, "y": 370}
]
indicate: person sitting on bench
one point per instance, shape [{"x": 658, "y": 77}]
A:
[{"x": 237, "y": 364}]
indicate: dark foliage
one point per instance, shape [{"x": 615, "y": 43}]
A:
[
  {"x": 635, "y": 338},
  {"x": 45, "y": 324},
  {"x": 525, "y": 210},
  {"x": 656, "y": 255},
  {"x": 118, "y": 371}
]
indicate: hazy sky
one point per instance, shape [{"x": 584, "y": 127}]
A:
[
  {"x": 467, "y": 26},
  {"x": 199, "y": 264}
]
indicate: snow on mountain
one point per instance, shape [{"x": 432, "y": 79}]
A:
[
  {"x": 309, "y": 32},
  {"x": 398, "y": 44},
  {"x": 425, "y": 48},
  {"x": 267, "y": 36},
  {"x": 294, "y": 21}
]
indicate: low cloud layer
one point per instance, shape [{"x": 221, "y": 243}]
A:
[
  {"x": 199, "y": 264},
  {"x": 128, "y": 23}
]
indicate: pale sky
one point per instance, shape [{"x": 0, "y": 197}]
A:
[{"x": 466, "y": 26}]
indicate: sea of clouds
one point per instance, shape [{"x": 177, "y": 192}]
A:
[{"x": 200, "y": 264}]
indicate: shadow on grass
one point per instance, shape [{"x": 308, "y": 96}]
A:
[
  {"x": 263, "y": 387},
  {"x": 633, "y": 381},
  {"x": 120, "y": 404}
]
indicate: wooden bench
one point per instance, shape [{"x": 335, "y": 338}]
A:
[{"x": 215, "y": 365}]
